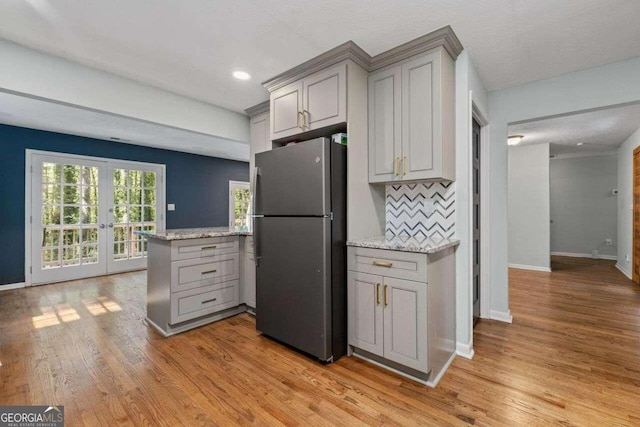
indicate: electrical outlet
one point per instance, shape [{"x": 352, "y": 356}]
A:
[
  {"x": 171, "y": 207},
  {"x": 627, "y": 258},
  {"x": 609, "y": 242}
]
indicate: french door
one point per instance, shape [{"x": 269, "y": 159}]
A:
[{"x": 84, "y": 212}]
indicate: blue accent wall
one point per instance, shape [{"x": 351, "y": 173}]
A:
[{"x": 197, "y": 185}]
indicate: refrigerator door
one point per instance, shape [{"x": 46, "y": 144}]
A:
[
  {"x": 294, "y": 180},
  {"x": 293, "y": 282}
]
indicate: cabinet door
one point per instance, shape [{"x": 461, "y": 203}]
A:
[
  {"x": 421, "y": 118},
  {"x": 285, "y": 110},
  {"x": 385, "y": 125},
  {"x": 325, "y": 98},
  {"x": 365, "y": 312},
  {"x": 260, "y": 138},
  {"x": 250, "y": 280},
  {"x": 405, "y": 323}
]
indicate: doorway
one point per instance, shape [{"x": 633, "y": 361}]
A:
[
  {"x": 636, "y": 216},
  {"x": 476, "y": 219},
  {"x": 83, "y": 213}
]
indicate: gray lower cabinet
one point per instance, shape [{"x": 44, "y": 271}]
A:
[
  {"x": 249, "y": 277},
  {"x": 395, "y": 316},
  {"x": 411, "y": 120},
  {"x": 192, "y": 282}
]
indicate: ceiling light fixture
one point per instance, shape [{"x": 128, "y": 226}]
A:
[
  {"x": 580, "y": 143},
  {"x": 514, "y": 139},
  {"x": 241, "y": 75}
]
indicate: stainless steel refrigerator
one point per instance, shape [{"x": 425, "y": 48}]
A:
[{"x": 299, "y": 237}]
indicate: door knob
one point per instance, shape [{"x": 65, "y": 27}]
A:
[
  {"x": 110, "y": 225},
  {"x": 101, "y": 225}
]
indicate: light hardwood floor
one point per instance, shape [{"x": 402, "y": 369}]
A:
[{"x": 571, "y": 357}]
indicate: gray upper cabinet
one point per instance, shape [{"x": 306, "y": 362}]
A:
[
  {"x": 286, "y": 110},
  {"x": 411, "y": 120},
  {"x": 260, "y": 139},
  {"x": 325, "y": 98},
  {"x": 311, "y": 103},
  {"x": 385, "y": 125}
]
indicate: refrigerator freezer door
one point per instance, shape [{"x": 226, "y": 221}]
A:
[
  {"x": 293, "y": 282},
  {"x": 294, "y": 180}
]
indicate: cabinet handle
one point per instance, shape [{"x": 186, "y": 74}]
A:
[
  {"x": 404, "y": 165},
  {"x": 209, "y": 300},
  {"x": 377, "y": 293},
  {"x": 208, "y": 272},
  {"x": 204, "y": 248},
  {"x": 305, "y": 115},
  {"x": 395, "y": 166},
  {"x": 385, "y": 295},
  {"x": 387, "y": 264}
]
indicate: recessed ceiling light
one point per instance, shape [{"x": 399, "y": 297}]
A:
[
  {"x": 241, "y": 75},
  {"x": 580, "y": 143},
  {"x": 514, "y": 139}
]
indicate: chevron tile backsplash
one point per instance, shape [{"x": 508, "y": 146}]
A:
[{"x": 406, "y": 215}]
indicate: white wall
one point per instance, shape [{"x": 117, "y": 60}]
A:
[
  {"x": 625, "y": 202},
  {"x": 469, "y": 88},
  {"x": 529, "y": 211},
  {"x": 29, "y": 72},
  {"x": 584, "y": 209},
  {"x": 596, "y": 87}
]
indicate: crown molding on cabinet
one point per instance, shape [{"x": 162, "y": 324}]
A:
[
  {"x": 263, "y": 107},
  {"x": 348, "y": 50},
  {"x": 443, "y": 37}
]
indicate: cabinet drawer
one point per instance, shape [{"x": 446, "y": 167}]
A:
[
  {"x": 194, "y": 303},
  {"x": 199, "y": 272},
  {"x": 248, "y": 245},
  {"x": 401, "y": 265},
  {"x": 199, "y": 248}
]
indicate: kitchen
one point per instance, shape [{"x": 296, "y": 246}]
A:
[{"x": 336, "y": 265}]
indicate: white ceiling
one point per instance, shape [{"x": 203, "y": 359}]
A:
[
  {"x": 45, "y": 115},
  {"x": 191, "y": 47},
  {"x": 598, "y": 131}
]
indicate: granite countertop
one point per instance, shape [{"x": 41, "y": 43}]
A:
[
  {"x": 405, "y": 244},
  {"x": 192, "y": 233}
]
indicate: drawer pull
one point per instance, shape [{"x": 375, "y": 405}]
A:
[
  {"x": 387, "y": 264},
  {"x": 208, "y": 272},
  {"x": 204, "y": 248},
  {"x": 377, "y": 293},
  {"x": 209, "y": 300}
]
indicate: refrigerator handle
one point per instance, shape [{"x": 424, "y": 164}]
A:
[{"x": 253, "y": 214}]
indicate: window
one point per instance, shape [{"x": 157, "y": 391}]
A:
[{"x": 239, "y": 205}]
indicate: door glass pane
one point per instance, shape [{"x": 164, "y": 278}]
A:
[
  {"x": 50, "y": 194},
  {"x": 69, "y": 206},
  {"x": 134, "y": 209},
  {"x": 71, "y": 174}
]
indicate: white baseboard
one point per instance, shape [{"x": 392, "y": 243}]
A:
[
  {"x": 465, "y": 350},
  {"x": 569, "y": 254},
  {"x": 502, "y": 316},
  {"x": 624, "y": 271},
  {"x": 530, "y": 267},
  {"x": 438, "y": 377},
  {"x": 10, "y": 286}
]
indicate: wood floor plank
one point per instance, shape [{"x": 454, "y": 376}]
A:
[{"x": 571, "y": 357}]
